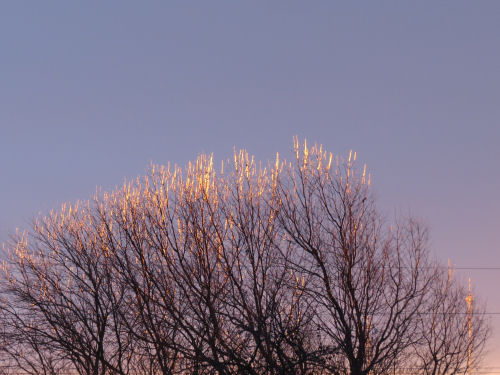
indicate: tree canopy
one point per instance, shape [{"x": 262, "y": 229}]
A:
[{"x": 284, "y": 268}]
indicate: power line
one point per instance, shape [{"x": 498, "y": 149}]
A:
[{"x": 475, "y": 268}]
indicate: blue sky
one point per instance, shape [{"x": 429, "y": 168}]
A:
[{"x": 90, "y": 94}]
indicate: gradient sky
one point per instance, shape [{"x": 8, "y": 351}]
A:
[{"x": 90, "y": 95}]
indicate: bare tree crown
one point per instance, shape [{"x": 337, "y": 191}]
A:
[{"x": 284, "y": 268}]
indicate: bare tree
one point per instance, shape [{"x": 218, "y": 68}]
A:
[
  {"x": 370, "y": 280},
  {"x": 452, "y": 337},
  {"x": 283, "y": 269}
]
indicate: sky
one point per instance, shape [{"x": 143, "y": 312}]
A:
[{"x": 92, "y": 93}]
